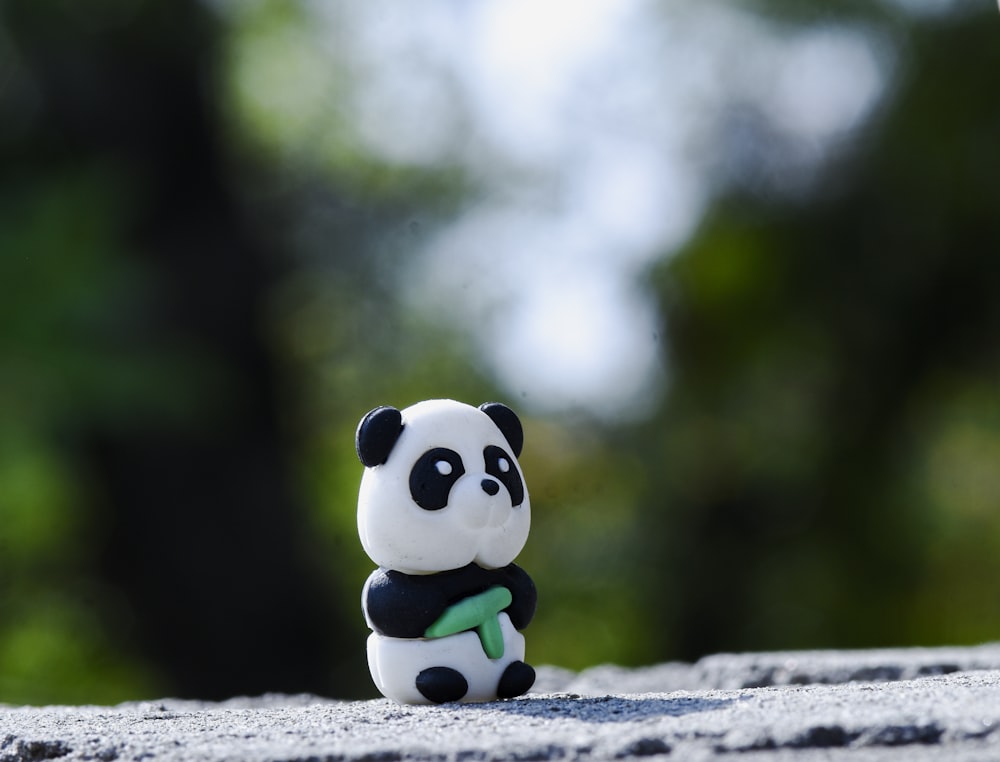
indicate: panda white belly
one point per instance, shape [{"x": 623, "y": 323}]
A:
[{"x": 395, "y": 663}]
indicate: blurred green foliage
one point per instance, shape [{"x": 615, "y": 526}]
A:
[
  {"x": 828, "y": 356},
  {"x": 822, "y": 471},
  {"x": 65, "y": 281}
]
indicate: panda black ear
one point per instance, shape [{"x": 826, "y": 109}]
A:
[
  {"x": 508, "y": 423},
  {"x": 377, "y": 435}
]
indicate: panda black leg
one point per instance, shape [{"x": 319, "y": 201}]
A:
[
  {"x": 515, "y": 680},
  {"x": 442, "y": 684}
]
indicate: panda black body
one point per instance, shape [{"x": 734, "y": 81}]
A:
[
  {"x": 405, "y": 605},
  {"x": 443, "y": 511}
]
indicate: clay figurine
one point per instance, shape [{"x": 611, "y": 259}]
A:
[{"x": 443, "y": 511}]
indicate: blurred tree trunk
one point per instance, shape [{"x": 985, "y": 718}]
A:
[{"x": 207, "y": 540}]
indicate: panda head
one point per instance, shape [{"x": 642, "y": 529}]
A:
[{"x": 442, "y": 486}]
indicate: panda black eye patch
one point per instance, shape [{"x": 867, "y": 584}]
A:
[
  {"x": 433, "y": 476},
  {"x": 500, "y": 466}
]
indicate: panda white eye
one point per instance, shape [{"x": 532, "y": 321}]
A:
[
  {"x": 504, "y": 465},
  {"x": 443, "y": 467}
]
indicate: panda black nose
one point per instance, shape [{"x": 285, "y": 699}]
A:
[{"x": 490, "y": 487}]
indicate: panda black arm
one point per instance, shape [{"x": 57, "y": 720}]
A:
[
  {"x": 404, "y": 606},
  {"x": 401, "y": 605},
  {"x": 522, "y": 608}
]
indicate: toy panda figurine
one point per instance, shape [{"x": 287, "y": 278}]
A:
[{"x": 443, "y": 511}]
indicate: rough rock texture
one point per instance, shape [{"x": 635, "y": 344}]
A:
[
  {"x": 908, "y": 705},
  {"x": 760, "y": 670}
]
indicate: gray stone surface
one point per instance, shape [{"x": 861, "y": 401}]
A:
[
  {"x": 759, "y": 670},
  {"x": 870, "y": 705}
]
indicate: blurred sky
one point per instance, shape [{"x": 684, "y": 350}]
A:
[{"x": 595, "y": 132}]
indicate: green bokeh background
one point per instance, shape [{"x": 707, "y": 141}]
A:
[{"x": 822, "y": 469}]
